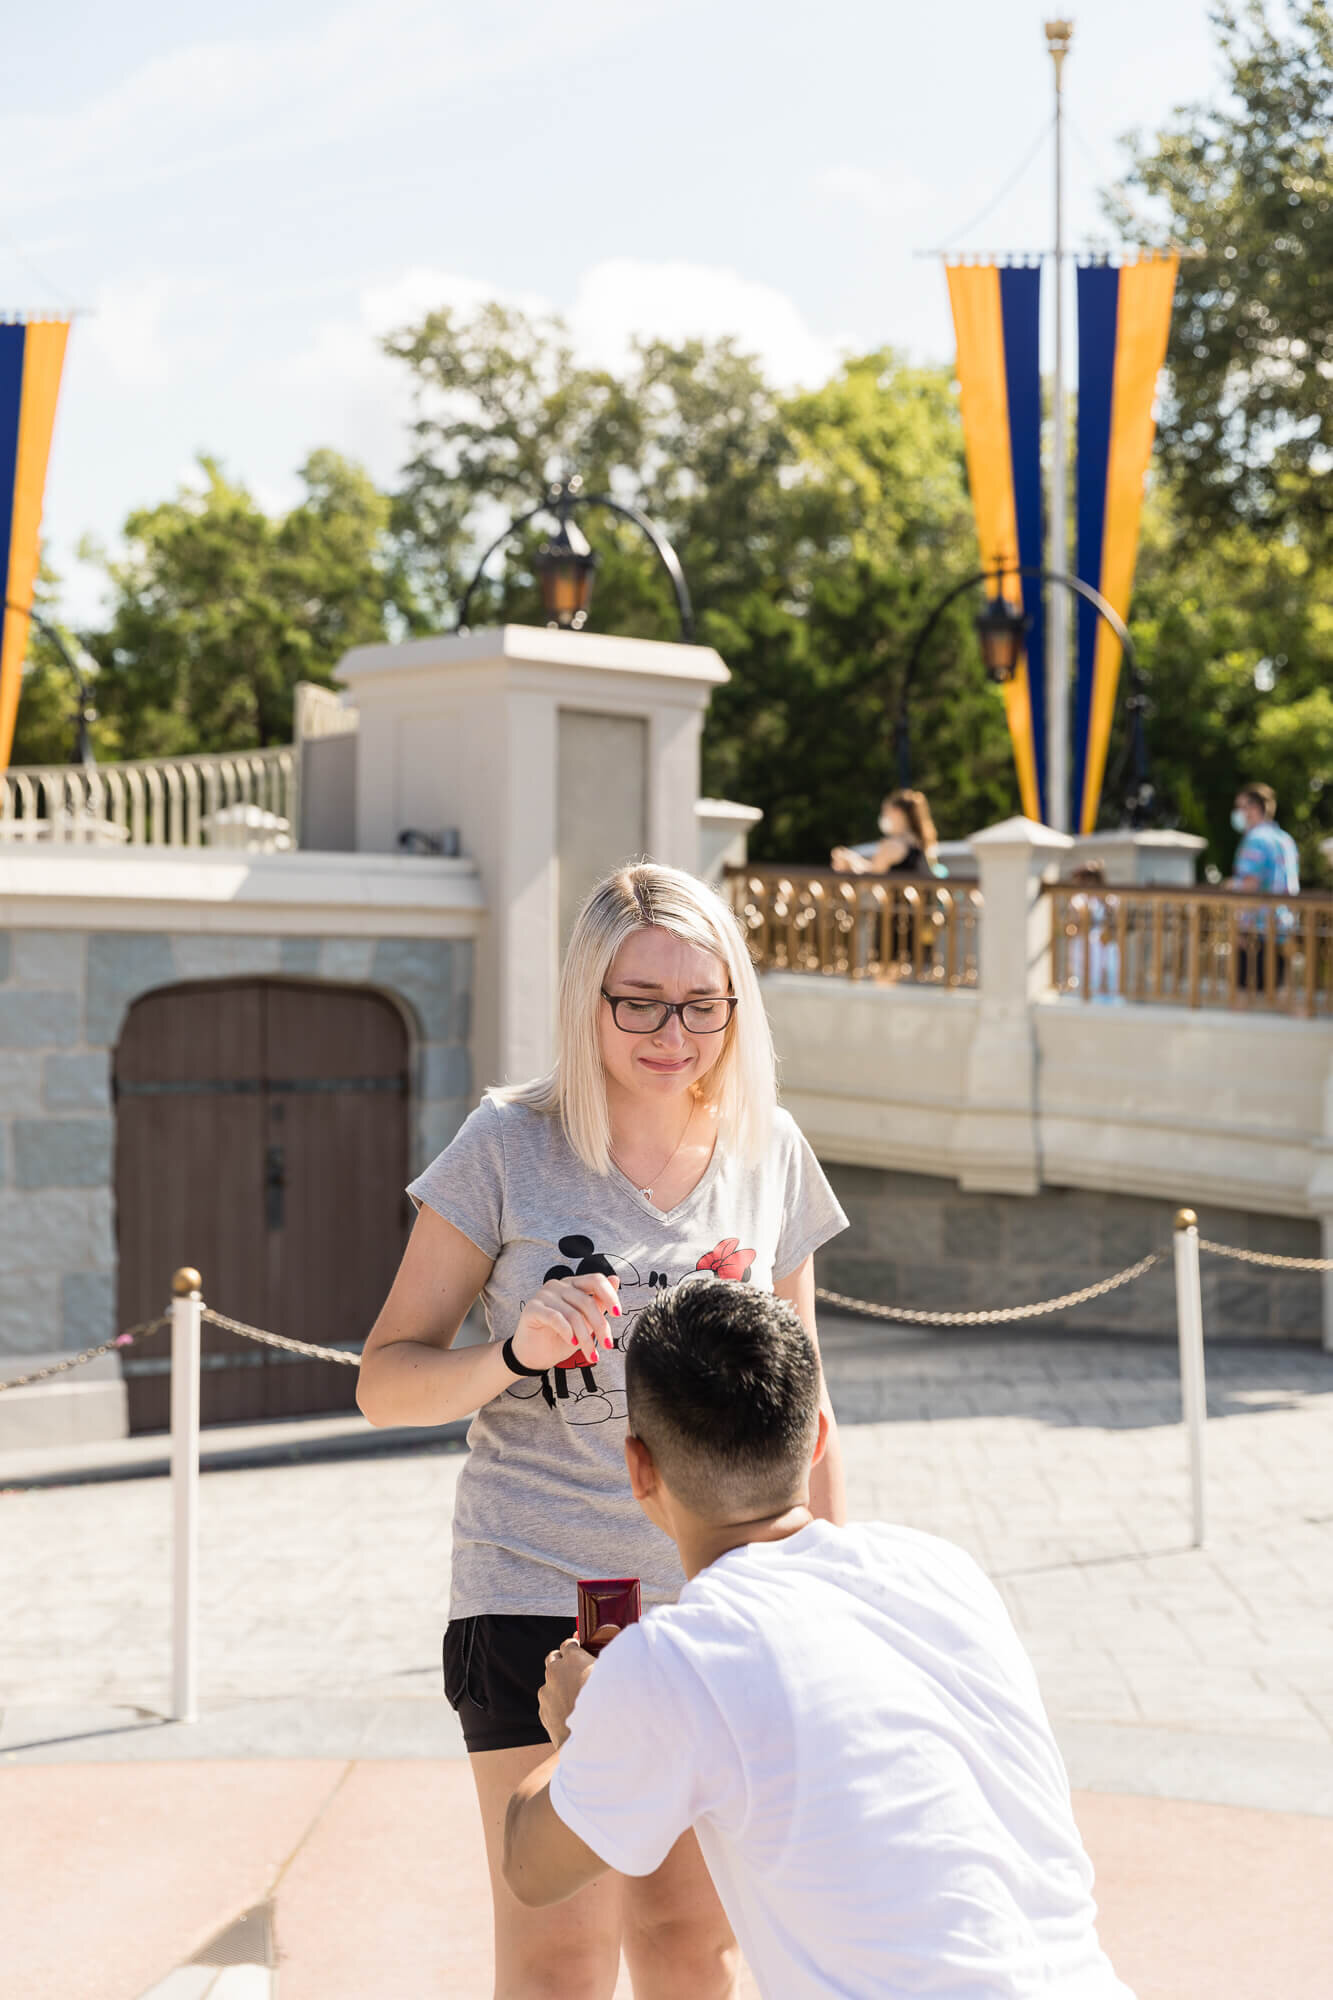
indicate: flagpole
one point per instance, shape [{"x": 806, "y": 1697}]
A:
[{"x": 1059, "y": 34}]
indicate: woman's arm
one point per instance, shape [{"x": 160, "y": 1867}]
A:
[
  {"x": 409, "y": 1373},
  {"x": 828, "y": 1485}
]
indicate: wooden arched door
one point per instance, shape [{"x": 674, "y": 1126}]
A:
[{"x": 262, "y": 1136}]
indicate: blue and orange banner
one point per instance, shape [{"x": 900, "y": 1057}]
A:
[
  {"x": 1124, "y": 315},
  {"x": 32, "y": 355},
  {"x": 996, "y": 315}
]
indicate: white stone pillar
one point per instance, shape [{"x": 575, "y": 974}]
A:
[
  {"x": 998, "y": 1130},
  {"x": 1320, "y": 1190},
  {"x": 553, "y": 756}
]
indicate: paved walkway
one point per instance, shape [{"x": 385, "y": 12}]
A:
[{"x": 1192, "y": 1690}]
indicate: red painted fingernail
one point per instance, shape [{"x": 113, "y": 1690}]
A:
[{"x": 616, "y": 1311}]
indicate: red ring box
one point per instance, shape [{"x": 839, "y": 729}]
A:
[{"x": 607, "y": 1600}]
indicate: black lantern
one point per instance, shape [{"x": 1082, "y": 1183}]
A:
[
  {"x": 565, "y": 566},
  {"x": 1001, "y": 628}
]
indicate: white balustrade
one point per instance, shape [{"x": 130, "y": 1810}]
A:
[{"x": 242, "y": 798}]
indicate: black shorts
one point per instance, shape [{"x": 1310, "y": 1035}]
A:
[{"x": 494, "y": 1666}]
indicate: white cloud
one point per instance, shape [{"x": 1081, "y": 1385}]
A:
[
  {"x": 127, "y": 335},
  {"x": 356, "y": 398},
  {"x": 215, "y": 103},
  {"x": 623, "y": 296},
  {"x": 886, "y": 200}
]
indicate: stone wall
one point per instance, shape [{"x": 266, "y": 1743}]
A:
[
  {"x": 64, "y": 996},
  {"x": 918, "y": 1240}
]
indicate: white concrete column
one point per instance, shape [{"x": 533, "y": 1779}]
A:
[
  {"x": 523, "y": 741},
  {"x": 999, "y": 1140},
  {"x": 1319, "y": 1193}
]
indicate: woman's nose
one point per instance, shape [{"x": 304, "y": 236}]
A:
[{"x": 671, "y": 1032}]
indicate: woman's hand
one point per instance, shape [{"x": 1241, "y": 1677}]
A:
[
  {"x": 848, "y": 862},
  {"x": 566, "y": 1321}
]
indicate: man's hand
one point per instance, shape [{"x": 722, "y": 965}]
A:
[{"x": 566, "y": 1671}]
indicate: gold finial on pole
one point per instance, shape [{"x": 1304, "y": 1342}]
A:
[
  {"x": 1186, "y": 1219},
  {"x": 186, "y": 1280},
  {"x": 1059, "y": 34}
]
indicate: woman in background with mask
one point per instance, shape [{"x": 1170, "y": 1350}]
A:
[{"x": 907, "y": 843}]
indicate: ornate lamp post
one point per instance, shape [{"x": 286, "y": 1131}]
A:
[
  {"x": 1001, "y": 629},
  {"x": 86, "y": 713},
  {"x": 566, "y": 564},
  {"x": 566, "y": 567}
]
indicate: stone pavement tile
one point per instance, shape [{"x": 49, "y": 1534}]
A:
[
  {"x": 1211, "y": 1900},
  {"x": 123, "y": 1871},
  {"x": 390, "y": 1894}
]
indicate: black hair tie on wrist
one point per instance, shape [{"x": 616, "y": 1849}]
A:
[{"x": 512, "y": 1361}]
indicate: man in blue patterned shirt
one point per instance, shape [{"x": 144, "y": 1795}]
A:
[{"x": 1266, "y": 864}]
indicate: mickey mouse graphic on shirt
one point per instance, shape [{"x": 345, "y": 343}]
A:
[{"x": 592, "y": 1403}]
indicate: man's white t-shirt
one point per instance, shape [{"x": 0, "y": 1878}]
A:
[{"x": 851, "y": 1725}]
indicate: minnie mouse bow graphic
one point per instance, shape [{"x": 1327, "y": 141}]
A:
[{"x": 728, "y": 1260}]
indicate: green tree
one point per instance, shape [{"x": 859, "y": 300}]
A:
[
  {"x": 1245, "y": 186},
  {"x": 815, "y": 531},
  {"x": 219, "y": 608},
  {"x": 1239, "y": 640},
  {"x": 47, "y": 719}
]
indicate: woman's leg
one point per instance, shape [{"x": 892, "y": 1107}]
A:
[
  {"x": 570, "y": 1951},
  {"x": 677, "y": 1938}
]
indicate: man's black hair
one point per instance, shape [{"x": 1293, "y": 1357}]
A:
[{"x": 723, "y": 1387}]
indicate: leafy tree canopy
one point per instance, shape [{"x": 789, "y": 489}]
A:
[
  {"x": 1245, "y": 186},
  {"x": 219, "y": 608}
]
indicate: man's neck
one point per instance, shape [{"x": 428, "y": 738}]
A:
[{"x": 703, "y": 1542}]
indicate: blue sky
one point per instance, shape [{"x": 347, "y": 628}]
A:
[{"x": 247, "y": 197}]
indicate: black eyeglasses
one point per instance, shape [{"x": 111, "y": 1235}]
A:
[{"x": 645, "y": 1017}]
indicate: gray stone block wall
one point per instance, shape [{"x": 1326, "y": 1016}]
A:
[
  {"x": 64, "y": 996},
  {"x": 915, "y": 1240}
]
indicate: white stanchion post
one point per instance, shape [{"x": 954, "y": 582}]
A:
[
  {"x": 1193, "y": 1389},
  {"x": 187, "y": 1308}
]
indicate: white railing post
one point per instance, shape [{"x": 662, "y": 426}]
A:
[
  {"x": 187, "y": 1308},
  {"x": 1193, "y": 1389}
]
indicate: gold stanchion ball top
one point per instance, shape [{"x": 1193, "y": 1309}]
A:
[
  {"x": 186, "y": 1280},
  {"x": 1186, "y": 1219}
]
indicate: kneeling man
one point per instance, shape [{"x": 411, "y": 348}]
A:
[{"x": 845, "y": 1715}]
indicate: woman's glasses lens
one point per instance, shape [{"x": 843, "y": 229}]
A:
[{"x": 698, "y": 1017}]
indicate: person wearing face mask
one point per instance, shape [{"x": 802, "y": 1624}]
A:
[
  {"x": 1266, "y": 864},
  {"x": 907, "y": 841}
]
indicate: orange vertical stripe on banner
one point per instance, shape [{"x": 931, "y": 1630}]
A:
[
  {"x": 974, "y": 294},
  {"x": 1143, "y": 323},
  {"x": 43, "y": 360}
]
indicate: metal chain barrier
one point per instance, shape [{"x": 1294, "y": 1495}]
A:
[
  {"x": 1267, "y": 1257},
  {"x": 63, "y": 1366},
  {"x": 904, "y": 1315},
  {"x": 1000, "y": 1315},
  {"x": 349, "y": 1357}
]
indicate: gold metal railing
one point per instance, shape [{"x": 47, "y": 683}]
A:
[
  {"x": 1194, "y": 948},
  {"x": 858, "y": 926}
]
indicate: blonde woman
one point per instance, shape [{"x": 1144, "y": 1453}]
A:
[{"x": 654, "y": 1153}]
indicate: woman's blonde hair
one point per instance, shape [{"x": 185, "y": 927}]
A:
[{"x": 741, "y": 1085}]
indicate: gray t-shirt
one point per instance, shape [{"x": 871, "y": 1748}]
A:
[{"x": 544, "y": 1497}]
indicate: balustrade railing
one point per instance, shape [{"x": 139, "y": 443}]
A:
[
  {"x": 243, "y": 798},
  {"x": 1194, "y": 948},
  {"x": 881, "y": 927}
]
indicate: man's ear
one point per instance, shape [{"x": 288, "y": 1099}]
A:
[
  {"x": 821, "y": 1437},
  {"x": 642, "y": 1471}
]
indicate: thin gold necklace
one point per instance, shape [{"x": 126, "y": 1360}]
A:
[{"x": 647, "y": 1192}]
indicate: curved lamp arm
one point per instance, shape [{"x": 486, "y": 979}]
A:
[
  {"x": 83, "y": 747},
  {"x": 566, "y": 503},
  {"x": 1080, "y": 589},
  {"x": 666, "y": 554}
]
